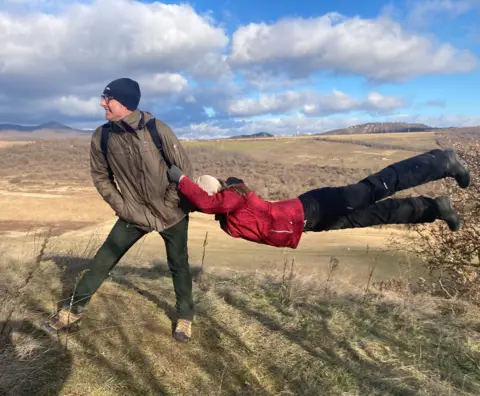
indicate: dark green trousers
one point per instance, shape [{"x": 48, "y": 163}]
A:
[{"x": 121, "y": 238}]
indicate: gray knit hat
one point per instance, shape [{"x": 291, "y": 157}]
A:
[{"x": 209, "y": 184}]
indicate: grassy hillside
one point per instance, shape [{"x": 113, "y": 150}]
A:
[{"x": 254, "y": 335}]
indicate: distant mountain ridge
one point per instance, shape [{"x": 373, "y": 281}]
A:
[
  {"x": 52, "y": 125},
  {"x": 380, "y": 127}
]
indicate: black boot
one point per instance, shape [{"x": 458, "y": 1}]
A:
[
  {"x": 458, "y": 169},
  {"x": 448, "y": 213},
  {"x": 411, "y": 172}
]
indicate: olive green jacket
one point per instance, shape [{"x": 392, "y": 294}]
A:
[{"x": 140, "y": 193}]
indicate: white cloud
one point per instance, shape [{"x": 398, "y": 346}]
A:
[
  {"x": 339, "y": 102},
  {"x": 301, "y": 123},
  {"x": 445, "y": 121},
  {"x": 424, "y": 12},
  {"x": 281, "y": 126},
  {"x": 76, "y": 107},
  {"x": 203, "y": 130},
  {"x": 377, "y": 101},
  {"x": 335, "y": 102},
  {"x": 107, "y": 36},
  {"x": 268, "y": 103},
  {"x": 313, "y": 103},
  {"x": 35, "y": 5},
  {"x": 162, "y": 83},
  {"x": 68, "y": 55},
  {"x": 265, "y": 80},
  {"x": 378, "y": 49}
]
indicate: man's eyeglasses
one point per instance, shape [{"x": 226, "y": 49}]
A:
[{"x": 106, "y": 98}]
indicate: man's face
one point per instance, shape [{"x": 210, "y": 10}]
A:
[{"x": 114, "y": 110}]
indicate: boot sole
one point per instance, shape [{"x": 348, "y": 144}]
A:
[{"x": 181, "y": 337}]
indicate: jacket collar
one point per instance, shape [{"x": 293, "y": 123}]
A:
[{"x": 131, "y": 123}]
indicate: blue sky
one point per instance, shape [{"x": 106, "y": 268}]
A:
[{"x": 217, "y": 68}]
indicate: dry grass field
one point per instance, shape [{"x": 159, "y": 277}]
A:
[
  {"x": 323, "y": 328},
  {"x": 350, "y": 151}
]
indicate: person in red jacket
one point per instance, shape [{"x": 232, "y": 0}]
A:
[{"x": 242, "y": 214}]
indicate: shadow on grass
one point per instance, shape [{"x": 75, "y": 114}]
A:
[
  {"x": 71, "y": 267},
  {"x": 426, "y": 346},
  {"x": 134, "y": 372},
  {"x": 32, "y": 361},
  {"x": 413, "y": 356},
  {"x": 206, "y": 350}
]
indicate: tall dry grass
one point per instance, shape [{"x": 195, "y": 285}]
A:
[{"x": 254, "y": 334}]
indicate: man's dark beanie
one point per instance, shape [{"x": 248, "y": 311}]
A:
[{"x": 124, "y": 90}]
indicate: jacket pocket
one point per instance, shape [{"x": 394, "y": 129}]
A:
[
  {"x": 171, "y": 199},
  {"x": 125, "y": 213},
  {"x": 133, "y": 215},
  {"x": 279, "y": 238},
  {"x": 282, "y": 231}
]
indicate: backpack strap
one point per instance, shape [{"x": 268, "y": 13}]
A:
[
  {"x": 152, "y": 128},
  {"x": 104, "y": 146}
]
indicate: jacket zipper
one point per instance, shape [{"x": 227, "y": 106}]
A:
[{"x": 282, "y": 231}]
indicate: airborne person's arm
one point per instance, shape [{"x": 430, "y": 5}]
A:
[{"x": 222, "y": 202}]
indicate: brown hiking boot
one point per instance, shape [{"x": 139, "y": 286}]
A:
[
  {"x": 183, "y": 331},
  {"x": 63, "y": 320}
]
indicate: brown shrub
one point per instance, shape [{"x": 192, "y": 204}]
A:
[
  {"x": 453, "y": 258},
  {"x": 43, "y": 160}
]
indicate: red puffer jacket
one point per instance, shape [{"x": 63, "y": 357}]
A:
[{"x": 277, "y": 224}]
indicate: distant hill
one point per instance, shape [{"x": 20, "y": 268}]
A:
[
  {"x": 52, "y": 125},
  {"x": 380, "y": 127},
  {"x": 47, "y": 130},
  {"x": 254, "y": 135}
]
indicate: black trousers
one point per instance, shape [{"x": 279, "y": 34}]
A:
[
  {"x": 363, "y": 204},
  {"x": 120, "y": 239}
]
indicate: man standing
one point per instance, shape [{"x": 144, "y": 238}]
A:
[{"x": 130, "y": 173}]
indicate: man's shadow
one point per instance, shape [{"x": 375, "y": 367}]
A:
[
  {"x": 72, "y": 268},
  {"x": 32, "y": 362}
]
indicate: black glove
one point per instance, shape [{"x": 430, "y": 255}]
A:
[{"x": 174, "y": 173}]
